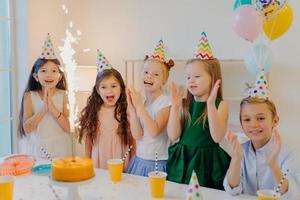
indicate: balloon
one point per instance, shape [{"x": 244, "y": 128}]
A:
[
  {"x": 277, "y": 25},
  {"x": 239, "y": 3},
  {"x": 258, "y": 57},
  {"x": 267, "y": 8},
  {"x": 247, "y": 22}
]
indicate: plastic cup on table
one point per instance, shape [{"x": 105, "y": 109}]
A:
[
  {"x": 157, "y": 181},
  {"x": 6, "y": 187},
  {"x": 266, "y": 195},
  {"x": 115, "y": 167}
]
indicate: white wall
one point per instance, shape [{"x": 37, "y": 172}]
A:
[{"x": 129, "y": 30}]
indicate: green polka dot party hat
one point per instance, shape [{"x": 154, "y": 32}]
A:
[{"x": 48, "y": 50}]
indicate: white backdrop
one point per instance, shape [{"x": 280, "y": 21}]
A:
[{"x": 129, "y": 29}]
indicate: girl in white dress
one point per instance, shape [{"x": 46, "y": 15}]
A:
[{"x": 44, "y": 113}]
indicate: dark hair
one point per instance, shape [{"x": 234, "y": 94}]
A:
[
  {"x": 213, "y": 68},
  {"x": 33, "y": 85},
  {"x": 89, "y": 122}
]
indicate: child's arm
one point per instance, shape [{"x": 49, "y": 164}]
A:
[
  {"x": 174, "y": 123},
  {"x": 88, "y": 147},
  {"x": 154, "y": 126},
  {"x": 61, "y": 117},
  {"x": 30, "y": 121},
  {"x": 217, "y": 118},
  {"x": 272, "y": 162},
  {"x": 135, "y": 124},
  {"x": 234, "y": 171}
]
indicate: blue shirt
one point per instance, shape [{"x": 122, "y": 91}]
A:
[{"x": 256, "y": 174}]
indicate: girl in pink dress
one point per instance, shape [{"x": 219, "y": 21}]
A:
[{"x": 103, "y": 122}]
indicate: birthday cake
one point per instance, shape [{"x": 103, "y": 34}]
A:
[{"x": 72, "y": 169}]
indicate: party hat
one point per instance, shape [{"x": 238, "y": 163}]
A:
[
  {"x": 102, "y": 62},
  {"x": 260, "y": 88},
  {"x": 48, "y": 50},
  {"x": 203, "y": 50},
  {"x": 159, "y": 52},
  {"x": 193, "y": 192}
]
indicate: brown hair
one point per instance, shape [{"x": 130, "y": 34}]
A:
[
  {"x": 167, "y": 66},
  {"x": 89, "y": 121},
  {"x": 212, "y": 67},
  {"x": 33, "y": 85},
  {"x": 254, "y": 100}
]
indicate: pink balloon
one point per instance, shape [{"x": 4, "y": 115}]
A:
[{"x": 247, "y": 22}]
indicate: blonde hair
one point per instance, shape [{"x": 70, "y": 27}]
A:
[
  {"x": 253, "y": 100},
  {"x": 166, "y": 66},
  {"x": 213, "y": 68}
]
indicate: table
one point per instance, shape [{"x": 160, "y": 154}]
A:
[{"x": 36, "y": 187}]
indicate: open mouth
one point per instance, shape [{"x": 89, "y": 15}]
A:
[
  {"x": 49, "y": 81},
  {"x": 192, "y": 87},
  {"x": 148, "y": 83},
  {"x": 110, "y": 98}
]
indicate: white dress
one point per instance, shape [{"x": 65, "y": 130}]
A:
[{"x": 48, "y": 133}]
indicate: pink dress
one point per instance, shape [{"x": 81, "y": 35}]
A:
[{"x": 108, "y": 144}]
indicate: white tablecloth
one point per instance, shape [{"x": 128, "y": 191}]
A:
[{"x": 36, "y": 187}]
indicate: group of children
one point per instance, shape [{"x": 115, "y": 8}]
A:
[{"x": 169, "y": 133}]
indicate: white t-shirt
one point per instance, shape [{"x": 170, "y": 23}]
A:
[{"x": 148, "y": 145}]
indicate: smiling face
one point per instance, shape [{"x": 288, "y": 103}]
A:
[
  {"x": 198, "y": 80},
  {"x": 154, "y": 76},
  {"x": 109, "y": 90},
  {"x": 48, "y": 75},
  {"x": 258, "y": 122}
]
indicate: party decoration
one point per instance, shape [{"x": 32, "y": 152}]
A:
[
  {"x": 48, "y": 50},
  {"x": 260, "y": 88},
  {"x": 193, "y": 191},
  {"x": 258, "y": 57},
  {"x": 102, "y": 62},
  {"x": 239, "y": 3},
  {"x": 16, "y": 165},
  {"x": 267, "y": 8},
  {"x": 276, "y": 26},
  {"x": 159, "y": 52},
  {"x": 203, "y": 50},
  {"x": 247, "y": 22}
]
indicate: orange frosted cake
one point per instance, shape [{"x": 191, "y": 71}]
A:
[{"x": 72, "y": 169}]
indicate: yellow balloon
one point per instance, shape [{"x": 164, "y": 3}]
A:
[{"x": 277, "y": 25}]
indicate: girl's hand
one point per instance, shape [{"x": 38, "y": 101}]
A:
[
  {"x": 131, "y": 108},
  {"x": 236, "y": 150},
  {"x": 51, "y": 106},
  {"x": 45, "y": 107},
  {"x": 276, "y": 146},
  {"x": 136, "y": 98},
  {"x": 176, "y": 98},
  {"x": 213, "y": 93}
]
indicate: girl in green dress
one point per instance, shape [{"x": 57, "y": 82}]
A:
[{"x": 202, "y": 125}]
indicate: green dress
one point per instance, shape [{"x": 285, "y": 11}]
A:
[{"x": 197, "y": 151}]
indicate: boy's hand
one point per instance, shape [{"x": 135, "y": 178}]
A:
[
  {"x": 236, "y": 150},
  {"x": 213, "y": 93},
  {"x": 276, "y": 147}
]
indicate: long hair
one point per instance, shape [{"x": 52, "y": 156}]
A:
[
  {"x": 212, "y": 67},
  {"x": 89, "y": 122},
  {"x": 33, "y": 85}
]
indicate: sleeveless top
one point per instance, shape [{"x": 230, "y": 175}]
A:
[
  {"x": 48, "y": 134},
  {"x": 197, "y": 151}
]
